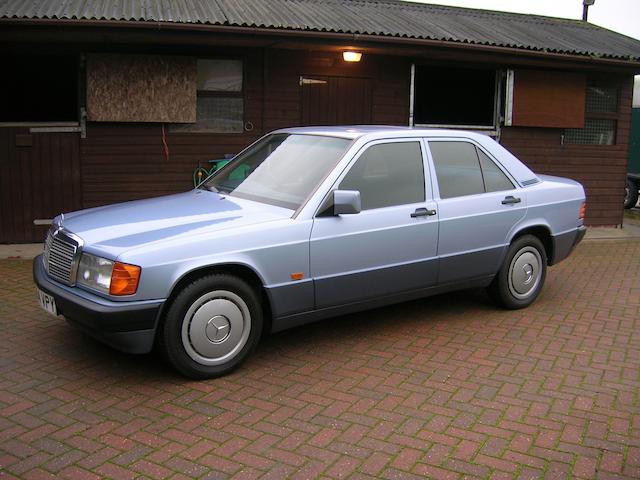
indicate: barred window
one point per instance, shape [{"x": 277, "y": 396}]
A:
[
  {"x": 595, "y": 132},
  {"x": 602, "y": 99},
  {"x": 601, "y": 117}
]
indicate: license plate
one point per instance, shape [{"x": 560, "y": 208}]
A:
[{"x": 48, "y": 303}]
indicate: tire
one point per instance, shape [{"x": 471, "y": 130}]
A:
[
  {"x": 521, "y": 277},
  {"x": 630, "y": 194},
  {"x": 212, "y": 325}
]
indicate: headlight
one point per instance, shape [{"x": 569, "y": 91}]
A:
[
  {"x": 95, "y": 272},
  {"x": 106, "y": 276}
]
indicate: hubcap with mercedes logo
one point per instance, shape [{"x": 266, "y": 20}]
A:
[
  {"x": 524, "y": 272},
  {"x": 528, "y": 273},
  {"x": 216, "y": 327}
]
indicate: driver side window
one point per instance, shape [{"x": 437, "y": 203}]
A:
[{"x": 388, "y": 174}]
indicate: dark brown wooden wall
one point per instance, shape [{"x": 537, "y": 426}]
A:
[
  {"x": 390, "y": 77},
  {"x": 39, "y": 178},
  {"x": 600, "y": 168},
  {"x": 127, "y": 161}
]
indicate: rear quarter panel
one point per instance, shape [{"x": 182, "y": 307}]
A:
[{"x": 554, "y": 202}]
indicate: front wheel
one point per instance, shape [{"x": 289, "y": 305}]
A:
[
  {"x": 212, "y": 325},
  {"x": 521, "y": 277}
]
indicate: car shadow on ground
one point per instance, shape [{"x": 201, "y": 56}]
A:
[{"x": 93, "y": 358}]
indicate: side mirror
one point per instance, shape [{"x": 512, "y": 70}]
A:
[{"x": 346, "y": 202}]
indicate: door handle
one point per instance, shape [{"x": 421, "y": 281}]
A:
[
  {"x": 510, "y": 200},
  {"x": 423, "y": 212}
]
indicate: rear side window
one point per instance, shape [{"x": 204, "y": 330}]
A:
[
  {"x": 462, "y": 169},
  {"x": 387, "y": 174},
  {"x": 494, "y": 179},
  {"x": 457, "y": 168}
]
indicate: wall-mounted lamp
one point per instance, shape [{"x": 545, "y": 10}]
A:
[{"x": 352, "y": 56}]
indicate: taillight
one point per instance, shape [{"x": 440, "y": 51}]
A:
[
  {"x": 124, "y": 279},
  {"x": 583, "y": 210}
]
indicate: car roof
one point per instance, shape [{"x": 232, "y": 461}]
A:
[
  {"x": 366, "y": 133},
  {"x": 378, "y": 131}
]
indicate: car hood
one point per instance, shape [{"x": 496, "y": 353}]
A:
[{"x": 114, "y": 229}]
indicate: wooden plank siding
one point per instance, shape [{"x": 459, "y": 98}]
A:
[
  {"x": 126, "y": 161},
  {"x": 38, "y": 181},
  {"x": 283, "y": 95},
  {"x": 600, "y": 168}
]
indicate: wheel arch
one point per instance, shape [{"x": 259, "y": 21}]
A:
[
  {"x": 239, "y": 270},
  {"x": 543, "y": 233}
]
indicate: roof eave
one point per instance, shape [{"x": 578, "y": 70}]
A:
[{"x": 327, "y": 35}]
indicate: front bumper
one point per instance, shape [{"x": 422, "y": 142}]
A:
[
  {"x": 564, "y": 244},
  {"x": 126, "y": 326}
]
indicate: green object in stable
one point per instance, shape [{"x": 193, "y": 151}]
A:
[{"x": 239, "y": 173}]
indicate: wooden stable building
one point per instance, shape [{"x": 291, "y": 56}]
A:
[{"x": 111, "y": 101}]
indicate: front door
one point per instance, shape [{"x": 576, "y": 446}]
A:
[
  {"x": 391, "y": 245},
  {"x": 335, "y": 100}
]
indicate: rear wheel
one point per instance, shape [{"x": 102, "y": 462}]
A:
[
  {"x": 212, "y": 326},
  {"x": 630, "y": 194},
  {"x": 521, "y": 277}
]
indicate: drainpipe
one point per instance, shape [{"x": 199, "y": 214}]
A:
[{"x": 585, "y": 9}]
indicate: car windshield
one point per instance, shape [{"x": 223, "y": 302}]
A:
[{"x": 281, "y": 169}]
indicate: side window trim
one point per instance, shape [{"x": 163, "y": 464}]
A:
[
  {"x": 428, "y": 184},
  {"x": 431, "y": 166},
  {"x": 431, "y": 182}
]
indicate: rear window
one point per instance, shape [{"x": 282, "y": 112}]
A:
[
  {"x": 457, "y": 169},
  {"x": 463, "y": 169}
]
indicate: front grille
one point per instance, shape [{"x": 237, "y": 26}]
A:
[{"x": 61, "y": 256}]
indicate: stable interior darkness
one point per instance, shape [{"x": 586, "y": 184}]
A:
[
  {"x": 39, "y": 88},
  {"x": 454, "y": 96}
]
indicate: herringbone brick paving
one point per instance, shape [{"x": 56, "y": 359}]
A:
[{"x": 447, "y": 387}]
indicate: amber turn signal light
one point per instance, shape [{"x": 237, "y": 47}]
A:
[
  {"x": 583, "y": 210},
  {"x": 124, "y": 279}
]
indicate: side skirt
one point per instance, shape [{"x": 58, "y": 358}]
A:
[{"x": 290, "y": 321}]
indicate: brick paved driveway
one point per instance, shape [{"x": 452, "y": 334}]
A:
[{"x": 447, "y": 387}]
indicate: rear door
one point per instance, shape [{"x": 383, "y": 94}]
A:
[
  {"x": 478, "y": 205},
  {"x": 386, "y": 248}
]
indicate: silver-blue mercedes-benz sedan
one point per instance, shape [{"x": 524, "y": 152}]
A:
[{"x": 304, "y": 224}]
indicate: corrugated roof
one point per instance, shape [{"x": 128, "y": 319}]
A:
[{"x": 392, "y": 18}]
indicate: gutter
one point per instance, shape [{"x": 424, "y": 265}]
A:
[{"x": 315, "y": 35}]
